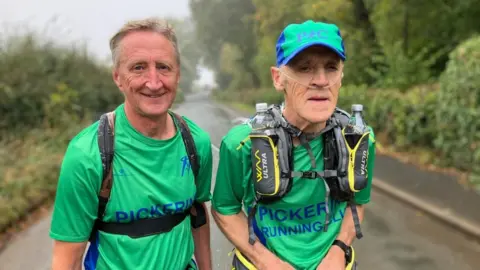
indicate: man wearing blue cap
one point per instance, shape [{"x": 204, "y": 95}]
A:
[{"x": 291, "y": 232}]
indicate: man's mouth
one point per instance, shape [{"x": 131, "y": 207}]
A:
[
  {"x": 318, "y": 99},
  {"x": 152, "y": 95}
]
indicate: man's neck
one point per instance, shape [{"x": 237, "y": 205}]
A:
[
  {"x": 161, "y": 127},
  {"x": 301, "y": 123}
]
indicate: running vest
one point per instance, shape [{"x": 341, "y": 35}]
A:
[
  {"x": 147, "y": 226},
  {"x": 273, "y": 170}
]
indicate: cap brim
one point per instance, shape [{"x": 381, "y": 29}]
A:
[{"x": 303, "y": 47}]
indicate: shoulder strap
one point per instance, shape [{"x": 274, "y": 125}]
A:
[
  {"x": 342, "y": 116},
  {"x": 199, "y": 216},
  {"x": 189, "y": 144},
  {"x": 105, "y": 135}
]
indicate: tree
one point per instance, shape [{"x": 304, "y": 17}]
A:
[{"x": 219, "y": 22}]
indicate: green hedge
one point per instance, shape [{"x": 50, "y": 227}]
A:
[
  {"x": 458, "y": 111},
  {"x": 47, "y": 94},
  {"x": 36, "y": 72}
]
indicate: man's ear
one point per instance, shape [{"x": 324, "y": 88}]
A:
[
  {"x": 179, "y": 76},
  {"x": 277, "y": 79},
  {"x": 116, "y": 78}
]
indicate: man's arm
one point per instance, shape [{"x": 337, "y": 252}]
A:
[
  {"x": 67, "y": 255},
  {"x": 347, "y": 232},
  {"x": 201, "y": 237},
  {"x": 75, "y": 208}
]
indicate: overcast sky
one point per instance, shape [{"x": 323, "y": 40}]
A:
[{"x": 93, "y": 22}]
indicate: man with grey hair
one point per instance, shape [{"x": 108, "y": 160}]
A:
[
  {"x": 135, "y": 183},
  {"x": 281, "y": 195}
]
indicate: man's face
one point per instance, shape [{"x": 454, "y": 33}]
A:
[
  {"x": 311, "y": 82},
  {"x": 147, "y": 73}
]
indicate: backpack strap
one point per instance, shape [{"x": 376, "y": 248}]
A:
[
  {"x": 105, "y": 135},
  {"x": 189, "y": 144},
  {"x": 199, "y": 217}
]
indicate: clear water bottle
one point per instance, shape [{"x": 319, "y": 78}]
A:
[
  {"x": 262, "y": 118},
  {"x": 356, "y": 127}
]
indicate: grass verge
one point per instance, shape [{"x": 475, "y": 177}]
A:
[{"x": 29, "y": 167}]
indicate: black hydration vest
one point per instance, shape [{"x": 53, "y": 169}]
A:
[
  {"x": 273, "y": 168},
  {"x": 148, "y": 226}
]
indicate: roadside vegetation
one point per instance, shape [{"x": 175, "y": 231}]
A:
[
  {"x": 48, "y": 93},
  {"x": 415, "y": 67}
]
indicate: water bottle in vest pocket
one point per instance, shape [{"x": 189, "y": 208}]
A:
[
  {"x": 265, "y": 160},
  {"x": 356, "y": 135}
]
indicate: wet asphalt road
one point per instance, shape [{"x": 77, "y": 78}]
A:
[{"x": 396, "y": 237}]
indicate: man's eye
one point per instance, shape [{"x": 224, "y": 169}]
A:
[
  {"x": 163, "y": 67},
  {"x": 305, "y": 69},
  {"x": 138, "y": 67}
]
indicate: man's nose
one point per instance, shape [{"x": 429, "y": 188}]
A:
[
  {"x": 154, "y": 81},
  {"x": 319, "y": 78}
]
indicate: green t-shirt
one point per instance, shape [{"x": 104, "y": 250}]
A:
[
  {"x": 291, "y": 228},
  {"x": 151, "y": 177}
]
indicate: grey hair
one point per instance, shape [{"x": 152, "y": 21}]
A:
[{"x": 149, "y": 24}]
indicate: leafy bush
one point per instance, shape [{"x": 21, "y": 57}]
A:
[
  {"x": 46, "y": 92},
  {"x": 458, "y": 111},
  {"x": 32, "y": 71},
  {"x": 405, "y": 119}
]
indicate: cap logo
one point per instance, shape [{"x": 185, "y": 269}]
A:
[{"x": 312, "y": 34}]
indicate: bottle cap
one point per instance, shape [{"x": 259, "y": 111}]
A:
[
  {"x": 357, "y": 107},
  {"x": 261, "y": 107}
]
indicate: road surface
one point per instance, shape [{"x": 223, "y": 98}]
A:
[{"x": 396, "y": 237}]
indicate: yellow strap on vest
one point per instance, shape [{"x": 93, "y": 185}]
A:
[
  {"x": 244, "y": 261},
  {"x": 351, "y": 263}
]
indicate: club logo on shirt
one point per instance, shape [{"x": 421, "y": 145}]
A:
[{"x": 185, "y": 165}]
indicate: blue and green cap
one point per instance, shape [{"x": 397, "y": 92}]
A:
[{"x": 297, "y": 37}]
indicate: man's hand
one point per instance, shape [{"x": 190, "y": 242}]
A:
[
  {"x": 235, "y": 229},
  {"x": 334, "y": 260},
  {"x": 273, "y": 263}
]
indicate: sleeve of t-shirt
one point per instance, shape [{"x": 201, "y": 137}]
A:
[
  {"x": 204, "y": 183},
  {"x": 228, "y": 192},
  {"x": 76, "y": 202},
  {"x": 363, "y": 196}
]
